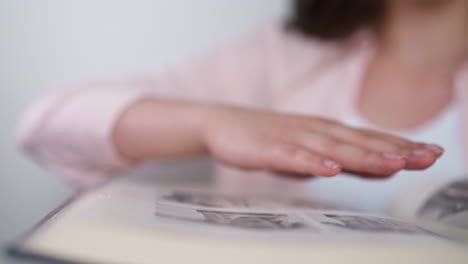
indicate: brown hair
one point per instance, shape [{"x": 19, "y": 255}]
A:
[{"x": 334, "y": 19}]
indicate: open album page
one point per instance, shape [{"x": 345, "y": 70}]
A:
[{"x": 126, "y": 220}]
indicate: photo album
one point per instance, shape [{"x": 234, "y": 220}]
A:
[{"x": 129, "y": 221}]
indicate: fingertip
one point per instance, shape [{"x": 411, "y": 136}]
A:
[
  {"x": 420, "y": 162},
  {"x": 331, "y": 168},
  {"x": 330, "y": 164},
  {"x": 436, "y": 149}
]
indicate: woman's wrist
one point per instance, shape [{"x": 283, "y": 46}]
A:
[{"x": 161, "y": 129}]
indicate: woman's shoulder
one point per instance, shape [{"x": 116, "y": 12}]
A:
[{"x": 278, "y": 41}]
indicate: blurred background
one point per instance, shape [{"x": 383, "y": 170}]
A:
[{"x": 46, "y": 44}]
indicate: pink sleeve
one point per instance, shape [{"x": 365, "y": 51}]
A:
[{"x": 70, "y": 131}]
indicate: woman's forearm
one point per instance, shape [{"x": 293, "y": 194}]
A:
[{"x": 160, "y": 129}]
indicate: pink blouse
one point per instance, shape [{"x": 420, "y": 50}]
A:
[{"x": 69, "y": 131}]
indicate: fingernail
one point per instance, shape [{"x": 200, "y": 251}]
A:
[
  {"x": 393, "y": 156},
  {"x": 435, "y": 148},
  {"x": 331, "y": 164},
  {"x": 422, "y": 152}
]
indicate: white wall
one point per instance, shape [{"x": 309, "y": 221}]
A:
[{"x": 47, "y": 43}]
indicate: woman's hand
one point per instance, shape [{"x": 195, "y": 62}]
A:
[
  {"x": 155, "y": 129},
  {"x": 300, "y": 145}
]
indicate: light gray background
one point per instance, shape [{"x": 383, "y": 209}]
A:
[{"x": 45, "y": 44}]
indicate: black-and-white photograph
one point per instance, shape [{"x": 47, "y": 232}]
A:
[
  {"x": 262, "y": 221},
  {"x": 371, "y": 224},
  {"x": 449, "y": 201},
  {"x": 248, "y": 212},
  {"x": 241, "y": 220}
]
